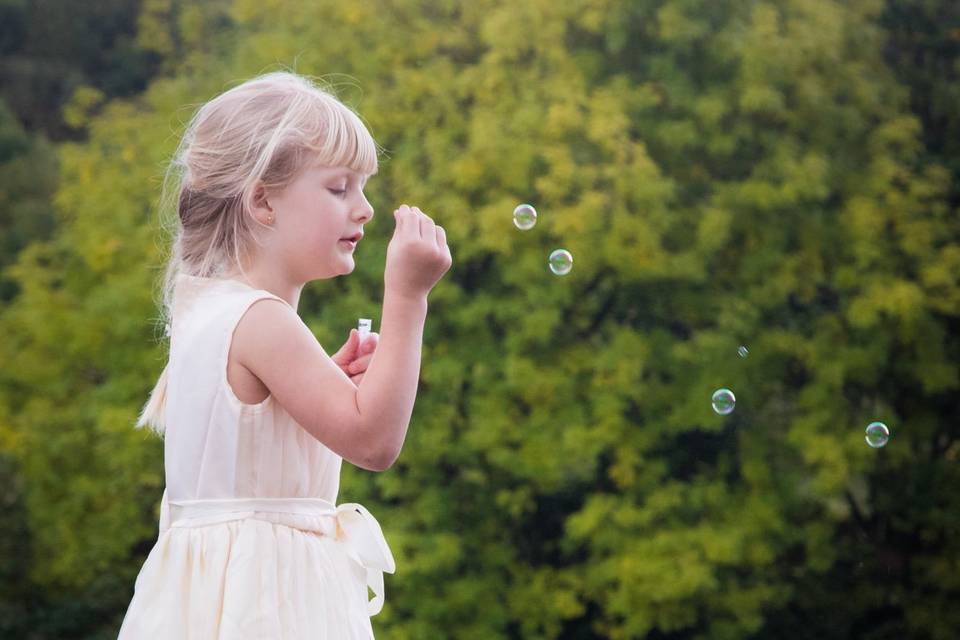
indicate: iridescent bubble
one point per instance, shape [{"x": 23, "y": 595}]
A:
[
  {"x": 561, "y": 262},
  {"x": 743, "y": 351},
  {"x": 724, "y": 401},
  {"x": 877, "y": 434},
  {"x": 524, "y": 217}
]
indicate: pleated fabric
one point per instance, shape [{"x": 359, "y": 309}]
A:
[{"x": 250, "y": 544}]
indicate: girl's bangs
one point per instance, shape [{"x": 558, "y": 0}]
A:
[{"x": 345, "y": 142}]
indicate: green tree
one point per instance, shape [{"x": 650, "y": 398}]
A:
[
  {"x": 924, "y": 51},
  {"x": 27, "y": 181},
  {"x": 49, "y": 48}
]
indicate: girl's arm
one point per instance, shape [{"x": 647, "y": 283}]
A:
[{"x": 387, "y": 392}]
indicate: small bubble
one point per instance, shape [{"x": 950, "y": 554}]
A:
[
  {"x": 724, "y": 401},
  {"x": 877, "y": 434},
  {"x": 743, "y": 351},
  {"x": 524, "y": 217},
  {"x": 561, "y": 262}
]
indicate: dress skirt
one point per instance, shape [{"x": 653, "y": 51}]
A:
[{"x": 267, "y": 569}]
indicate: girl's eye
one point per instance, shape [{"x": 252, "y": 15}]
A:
[{"x": 338, "y": 192}]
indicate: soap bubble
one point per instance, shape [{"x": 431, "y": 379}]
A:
[
  {"x": 742, "y": 351},
  {"x": 723, "y": 401},
  {"x": 524, "y": 217},
  {"x": 877, "y": 434},
  {"x": 561, "y": 262}
]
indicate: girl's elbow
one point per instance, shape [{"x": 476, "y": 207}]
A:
[{"x": 387, "y": 458}]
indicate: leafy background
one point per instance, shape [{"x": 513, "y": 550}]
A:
[{"x": 779, "y": 174}]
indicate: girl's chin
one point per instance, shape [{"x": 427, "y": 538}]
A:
[
  {"x": 344, "y": 268},
  {"x": 347, "y": 268}
]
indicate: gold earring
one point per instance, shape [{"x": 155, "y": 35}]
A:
[{"x": 270, "y": 220}]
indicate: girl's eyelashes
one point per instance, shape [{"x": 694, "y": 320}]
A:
[{"x": 338, "y": 192}]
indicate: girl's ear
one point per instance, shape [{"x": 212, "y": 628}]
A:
[{"x": 260, "y": 206}]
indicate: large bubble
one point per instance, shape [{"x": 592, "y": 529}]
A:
[
  {"x": 524, "y": 217},
  {"x": 561, "y": 262},
  {"x": 723, "y": 401},
  {"x": 877, "y": 434}
]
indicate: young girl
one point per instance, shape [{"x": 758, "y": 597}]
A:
[{"x": 256, "y": 417}]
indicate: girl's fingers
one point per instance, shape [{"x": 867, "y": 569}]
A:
[
  {"x": 360, "y": 364},
  {"x": 441, "y": 237},
  {"x": 412, "y": 222},
  {"x": 402, "y": 216},
  {"x": 415, "y": 223},
  {"x": 369, "y": 343},
  {"x": 427, "y": 226}
]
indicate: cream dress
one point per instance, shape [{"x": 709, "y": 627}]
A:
[{"x": 251, "y": 544}]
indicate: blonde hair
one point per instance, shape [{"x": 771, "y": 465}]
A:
[{"x": 265, "y": 130}]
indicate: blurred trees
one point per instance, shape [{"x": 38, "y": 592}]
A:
[
  {"x": 58, "y": 62},
  {"x": 774, "y": 174},
  {"x": 923, "y": 47},
  {"x": 28, "y": 179},
  {"x": 49, "y": 48}
]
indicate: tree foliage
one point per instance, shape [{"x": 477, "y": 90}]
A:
[
  {"x": 748, "y": 172},
  {"x": 51, "y": 48},
  {"x": 28, "y": 175}
]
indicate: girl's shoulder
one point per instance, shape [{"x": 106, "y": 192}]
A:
[{"x": 190, "y": 291}]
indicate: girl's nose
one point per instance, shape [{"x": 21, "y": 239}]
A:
[{"x": 365, "y": 211}]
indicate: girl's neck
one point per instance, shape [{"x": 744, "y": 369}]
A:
[{"x": 271, "y": 283}]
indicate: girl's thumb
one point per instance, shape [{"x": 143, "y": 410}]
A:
[{"x": 352, "y": 347}]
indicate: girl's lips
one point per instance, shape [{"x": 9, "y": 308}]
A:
[{"x": 352, "y": 240}]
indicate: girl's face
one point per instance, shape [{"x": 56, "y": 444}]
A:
[{"x": 314, "y": 216}]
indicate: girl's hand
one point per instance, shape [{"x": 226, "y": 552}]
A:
[
  {"x": 418, "y": 254},
  {"x": 354, "y": 358}
]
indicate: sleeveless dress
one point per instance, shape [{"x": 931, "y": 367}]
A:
[{"x": 251, "y": 544}]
